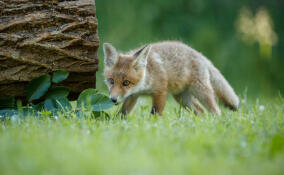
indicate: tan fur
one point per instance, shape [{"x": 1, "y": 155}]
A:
[{"x": 167, "y": 67}]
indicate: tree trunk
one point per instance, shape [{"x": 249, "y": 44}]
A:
[{"x": 42, "y": 36}]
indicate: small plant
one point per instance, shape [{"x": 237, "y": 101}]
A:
[
  {"x": 54, "y": 97},
  {"x": 44, "y": 95}
]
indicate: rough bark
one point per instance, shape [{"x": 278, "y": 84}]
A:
[{"x": 42, "y": 36}]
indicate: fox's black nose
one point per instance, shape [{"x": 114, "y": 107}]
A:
[{"x": 113, "y": 99}]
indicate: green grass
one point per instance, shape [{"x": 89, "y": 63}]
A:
[{"x": 250, "y": 141}]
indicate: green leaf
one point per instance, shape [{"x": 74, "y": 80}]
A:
[
  {"x": 86, "y": 93},
  {"x": 57, "y": 92},
  {"x": 52, "y": 104},
  {"x": 59, "y": 76},
  {"x": 7, "y": 102},
  {"x": 91, "y": 99},
  {"x": 37, "y": 87},
  {"x": 38, "y": 107}
]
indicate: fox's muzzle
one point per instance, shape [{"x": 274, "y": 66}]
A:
[{"x": 114, "y": 100}]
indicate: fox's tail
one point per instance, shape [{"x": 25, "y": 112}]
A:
[{"x": 222, "y": 89}]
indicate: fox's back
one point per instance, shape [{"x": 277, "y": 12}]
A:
[{"x": 176, "y": 61}]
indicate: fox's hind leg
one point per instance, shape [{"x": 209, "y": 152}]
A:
[
  {"x": 203, "y": 91},
  {"x": 128, "y": 104},
  {"x": 189, "y": 102}
]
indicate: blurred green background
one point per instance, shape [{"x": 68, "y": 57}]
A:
[{"x": 244, "y": 39}]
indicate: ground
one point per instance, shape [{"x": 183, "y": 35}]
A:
[{"x": 249, "y": 141}]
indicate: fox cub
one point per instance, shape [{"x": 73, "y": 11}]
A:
[{"x": 166, "y": 67}]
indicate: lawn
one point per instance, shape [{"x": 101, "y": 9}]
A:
[{"x": 249, "y": 141}]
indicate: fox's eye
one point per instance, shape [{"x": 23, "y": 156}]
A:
[
  {"x": 110, "y": 80},
  {"x": 126, "y": 83}
]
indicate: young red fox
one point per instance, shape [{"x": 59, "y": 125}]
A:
[{"x": 166, "y": 67}]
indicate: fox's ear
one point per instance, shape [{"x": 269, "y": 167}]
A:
[
  {"x": 110, "y": 54},
  {"x": 141, "y": 56}
]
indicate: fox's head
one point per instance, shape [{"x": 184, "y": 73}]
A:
[{"x": 124, "y": 74}]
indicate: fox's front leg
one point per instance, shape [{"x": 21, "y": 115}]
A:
[
  {"x": 159, "y": 101},
  {"x": 128, "y": 104}
]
